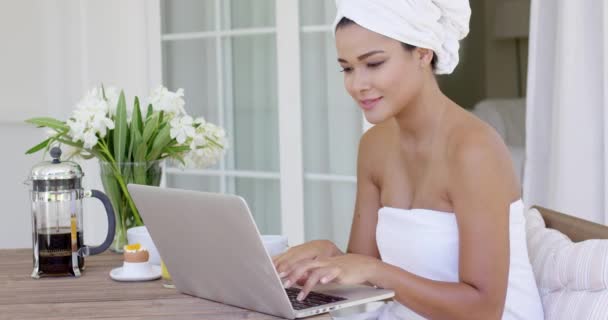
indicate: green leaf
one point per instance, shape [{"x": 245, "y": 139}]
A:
[
  {"x": 136, "y": 127},
  {"x": 136, "y": 118},
  {"x": 150, "y": 127},
  {"x": 39, "y": 146},
  {"x": 139, "y": 148},
  {"x": 162, "y": 140},
  {"x": 79, "y": 145},
  {"x": 178, "y": 149},
  {"x": 48, "y": 122},
  {"x": 177, "y": 153},
  {"x": 150, "y": 111},
  {"x": 140, "y": 153},
  {"x": 120, "y": 129},
  {"x": 161, "y": 117}
]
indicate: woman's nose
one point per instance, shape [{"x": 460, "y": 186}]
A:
[{"x": 360, "y": 81}]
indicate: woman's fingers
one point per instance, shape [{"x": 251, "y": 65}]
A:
[
  {"x": 287, "y": 268},
  {"x": 303, "y": 279},
  {"x": 281, "y": 258},
  {"x": 319, "y": 275},
  {"x": 276, "y": 259},
  {"x": 330, "y": 276},
  {"x": 285, "y": 262},
  {"x": 300, "y": 270}
]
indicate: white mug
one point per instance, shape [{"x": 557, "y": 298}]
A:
[
  {"x": 142, "y": 236},
  {"x": 275, "y": 244}
]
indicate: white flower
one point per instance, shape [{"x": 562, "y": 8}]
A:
[
  {"x": 181, "y": 129},
  {"x": 90, "y": 120},
  {"x": 90, "y": 139},
  {"x": 105, "y": 99},
  {"x": 172, "y": 103},
  {"x": 198, "y": 138},
  {"x": 202, "y": 158},
  {"x": 48, "y": 132},
  {"x": 77, "y": 129},
  {"x": 93, "y": 101},
  {"x": 112, "y": 95},
  {"x": 207, "y": 145},
  {"x": 206, "y": 131}
]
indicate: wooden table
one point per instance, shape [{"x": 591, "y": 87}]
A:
[{"x": 96, "y": 296}]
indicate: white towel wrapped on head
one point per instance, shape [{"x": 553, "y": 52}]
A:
[{"x": 432, "y": 24}]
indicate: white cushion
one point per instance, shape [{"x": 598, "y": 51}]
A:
[
  {"x": 507, "y": 116},
  {"x": 572, "y": 277}
]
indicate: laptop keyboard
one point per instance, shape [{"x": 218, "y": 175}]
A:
[{"x": 314, "y": 299}]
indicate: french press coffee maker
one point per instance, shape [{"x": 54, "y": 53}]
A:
[{"x": 57, "y": 230}]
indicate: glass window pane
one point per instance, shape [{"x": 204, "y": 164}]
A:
[
  {"x": 193, "y": 182},
  {"x": 328, "y": 211},
  {"x": 263, "y": 198},
  {"x": 191, "y": 65},
  {"x": 187, "y": 16},
  {"x": 317, "y": 12},
  {"x": 241, "y": 14},
  {"x": 332, "y": 123},
  {"x": 250, "y": 70}
]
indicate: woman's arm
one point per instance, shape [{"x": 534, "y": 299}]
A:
[{"x": 365, "y": 219}]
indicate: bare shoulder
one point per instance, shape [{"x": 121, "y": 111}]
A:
[
  {"x": 470, "y": 138},
  {"x": 373, "y": 145},
  {"x": 476, "y": 151}
]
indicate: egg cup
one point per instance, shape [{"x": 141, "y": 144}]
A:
[{"x": 136, "y": 266}]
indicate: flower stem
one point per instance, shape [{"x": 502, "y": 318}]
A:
[{"x": 121, "y": 182}]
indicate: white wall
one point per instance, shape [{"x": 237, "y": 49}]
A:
[{"x": 52, "y": 52}]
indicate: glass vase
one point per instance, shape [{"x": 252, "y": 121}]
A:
[{"x": 115, "y": 177}]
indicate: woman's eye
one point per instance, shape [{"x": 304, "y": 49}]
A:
[
  {"x": 375, "y": 64},
  {"x": 346, "y": 69}
]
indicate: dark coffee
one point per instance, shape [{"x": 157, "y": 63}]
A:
[{"x": 55, "y": 251}]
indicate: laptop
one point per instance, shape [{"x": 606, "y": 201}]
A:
[{"x": 213, "y": 249}]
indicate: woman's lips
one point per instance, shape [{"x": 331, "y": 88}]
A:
[{"x": 369, "y": 104}]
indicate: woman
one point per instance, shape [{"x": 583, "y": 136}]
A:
[{"x": 438, "y": 216}]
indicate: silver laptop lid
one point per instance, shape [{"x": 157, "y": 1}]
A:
[{"x": 194, "y": 231}]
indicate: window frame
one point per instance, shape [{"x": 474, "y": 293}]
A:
[{"x": 291, "y": 173}]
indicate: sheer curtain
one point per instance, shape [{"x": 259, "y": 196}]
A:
[{"x": 567, "y": 132}]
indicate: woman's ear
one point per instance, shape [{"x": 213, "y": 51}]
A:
[{"x": 425, "y": 56}]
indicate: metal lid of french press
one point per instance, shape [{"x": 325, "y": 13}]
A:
[{"x": 56, "y": 175}]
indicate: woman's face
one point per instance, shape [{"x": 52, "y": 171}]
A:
[{"x": 379, "y": 73}]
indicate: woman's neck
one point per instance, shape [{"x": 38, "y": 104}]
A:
[{"x": 419, "y": 121}]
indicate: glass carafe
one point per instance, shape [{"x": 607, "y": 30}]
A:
[{"x": 57, "y": 231}]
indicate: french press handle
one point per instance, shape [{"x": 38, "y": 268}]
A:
[{"x": 89, "y": 251}]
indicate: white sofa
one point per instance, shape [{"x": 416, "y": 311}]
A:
[{"x": 508, "y": 117}]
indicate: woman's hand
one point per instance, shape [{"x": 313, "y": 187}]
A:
[
  {"x": 344, "y": 269},
  {"x": 286, "y": 262}
]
